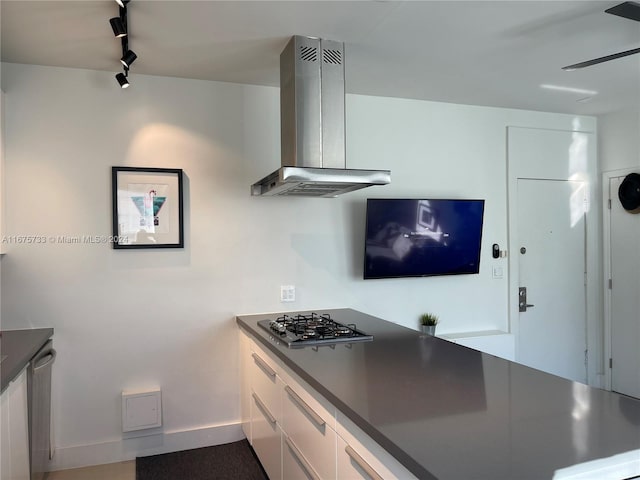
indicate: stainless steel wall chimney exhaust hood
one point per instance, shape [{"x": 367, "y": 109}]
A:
[{"x": 312, "y": 125}]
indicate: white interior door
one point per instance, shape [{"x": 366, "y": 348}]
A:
[
  {"x": 551, "y": 257},
  {"x": 625, "y": 296}
]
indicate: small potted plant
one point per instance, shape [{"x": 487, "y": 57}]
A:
[{"x": 428, "y": 322}]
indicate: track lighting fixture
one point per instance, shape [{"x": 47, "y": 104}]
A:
[
  {"x": 117, "y": 26},
  {"x": 122, "y": 80},
  {"x": 120, "y": 28},
  {"x": 128, "y": 58}
]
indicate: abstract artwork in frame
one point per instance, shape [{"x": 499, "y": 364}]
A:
[{"x": 147, "y": 208}]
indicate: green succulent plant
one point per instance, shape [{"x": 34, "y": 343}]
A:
[{"x": 428, "y": 319}]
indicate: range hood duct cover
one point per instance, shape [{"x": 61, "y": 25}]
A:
[{"x": 312, "y": 125}]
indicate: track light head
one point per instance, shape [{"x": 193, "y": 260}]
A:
[
  {"x": 122, "y": 80},
  {"x": 118, "y": 27},
  {"x": 128, "y": 58}
]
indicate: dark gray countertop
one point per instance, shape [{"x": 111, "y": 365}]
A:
[
  {"x": 17, "y": 347},
  {"x": 450, "y": 412}
]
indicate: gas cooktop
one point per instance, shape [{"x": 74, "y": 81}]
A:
[{"x": 312, "y": 329}]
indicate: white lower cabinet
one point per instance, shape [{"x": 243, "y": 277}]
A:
[
  {"x": 309, "y": 422},
  {"x": 245, "y": 384},
  {"x": 266, "y": 381},
  {"x": 14, "y": 423},
  {"x": 267, "y": 438},
  {"x": 296, "y": 433}
]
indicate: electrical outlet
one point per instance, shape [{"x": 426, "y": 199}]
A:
[{"x": 287, "y": 293}]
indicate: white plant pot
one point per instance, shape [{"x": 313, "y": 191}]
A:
[{"x": 428, "y": 329}]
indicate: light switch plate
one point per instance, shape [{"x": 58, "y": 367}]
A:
[{"x": 287, "y": 293}]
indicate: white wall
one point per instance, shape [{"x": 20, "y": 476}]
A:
[
  {"x": 619, "y": 142},
  {"x": 131, "y": 319}
]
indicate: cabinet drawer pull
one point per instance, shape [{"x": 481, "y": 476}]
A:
[
  {"x": 317, "y": 419},
  {"x": 368, "y": 469},
  {"x": 263, "y": 365},
  {"x": 264, "y": 409},
  {"x": 303, "y": 463}
]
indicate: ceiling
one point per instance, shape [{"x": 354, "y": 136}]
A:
[{"x": 494, "y": 53}]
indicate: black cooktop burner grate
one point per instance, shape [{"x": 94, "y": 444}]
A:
[{"x": 312, "y": 329}]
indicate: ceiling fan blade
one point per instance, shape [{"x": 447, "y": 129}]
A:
[
  {"x": 596, "y": 61},
  {"x": 630, "y": 10}
]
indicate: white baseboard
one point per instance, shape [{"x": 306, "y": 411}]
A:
[{"x": 130, "y": 448}]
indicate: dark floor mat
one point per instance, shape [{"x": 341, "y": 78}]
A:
[{"x": 231, "y": 461}]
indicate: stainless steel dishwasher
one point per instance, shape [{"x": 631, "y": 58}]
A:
[{"x": 39, "y": 394}]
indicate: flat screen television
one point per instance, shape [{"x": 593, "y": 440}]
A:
[{"x": 422, "y": 237}]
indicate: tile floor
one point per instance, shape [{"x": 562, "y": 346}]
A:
[{"x": 111, "y": 471}]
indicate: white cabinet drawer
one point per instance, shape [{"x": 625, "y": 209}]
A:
[
  {"x": 308, "y": 427},
  {"x": 353, "y": 466},
  {"x": 360, "y": 457},
  {"x": 267, "y": 438},
  {"x": 320, "y": 405},
  {"x": 265, "y": 381},
  {"x": 294, "y": 465}
]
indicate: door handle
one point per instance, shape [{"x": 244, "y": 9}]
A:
[{"x": 522, "y": 300}]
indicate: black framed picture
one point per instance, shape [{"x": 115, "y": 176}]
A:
[{"x": 147, "y": 207}]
